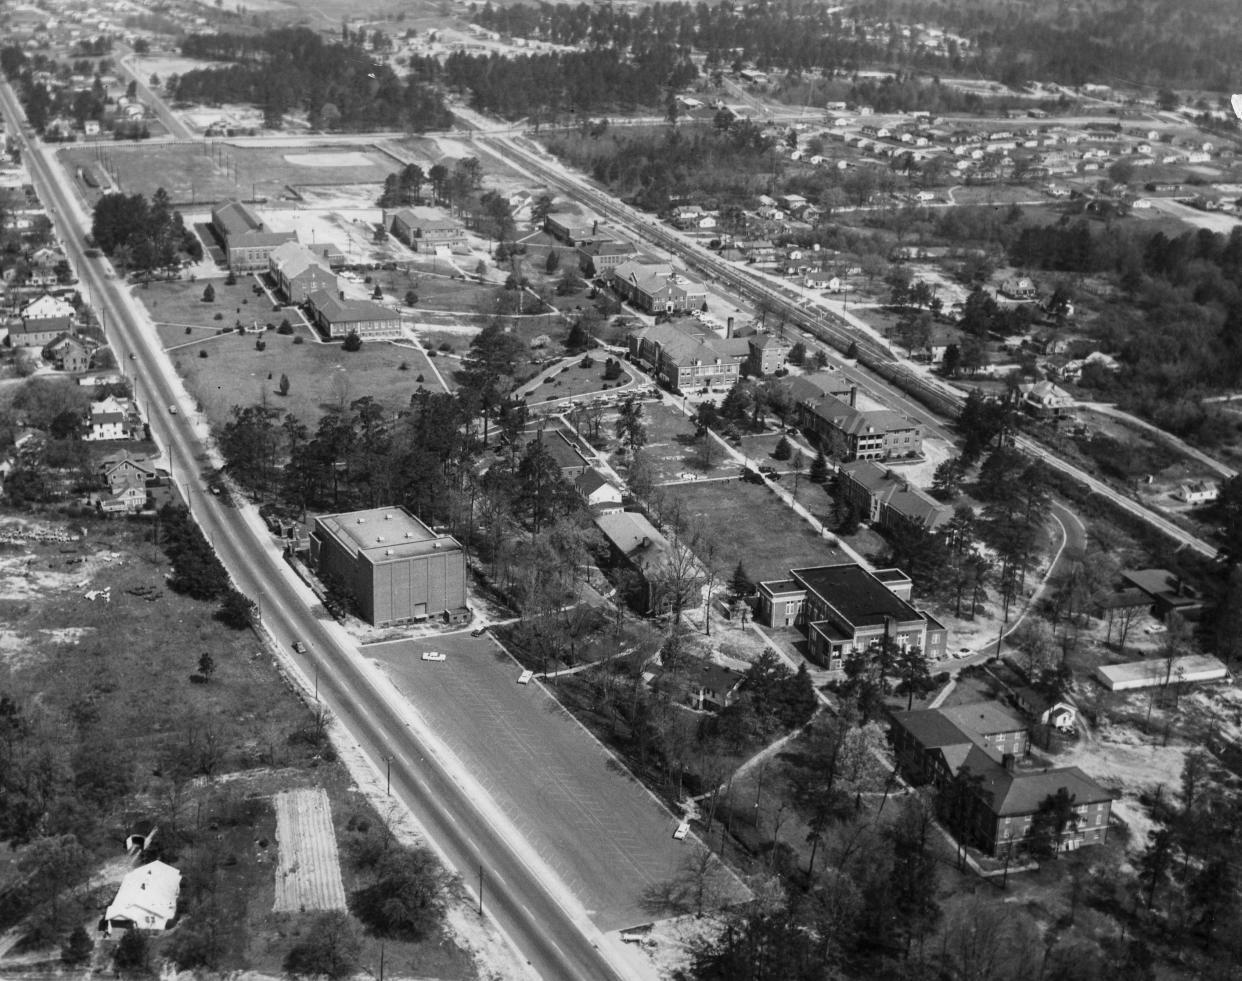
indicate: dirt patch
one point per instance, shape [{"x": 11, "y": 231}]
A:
[
  {"x": 328, "y": 159},
  {"x": 308, "y": 872}
]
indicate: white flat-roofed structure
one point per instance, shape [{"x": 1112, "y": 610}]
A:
[
  {"x": 396, "y": 568},
  {"x": 1157, "y": 672}
]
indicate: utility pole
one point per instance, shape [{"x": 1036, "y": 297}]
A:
[{"x": 480, "y": 889}]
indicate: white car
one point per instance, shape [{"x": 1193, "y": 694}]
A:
[
  {"x": 525, "y": 676},
  {"x": 962, "y": 652},
  {"x": 433, "y": 656},
  {"x": 683, "y": 829}
]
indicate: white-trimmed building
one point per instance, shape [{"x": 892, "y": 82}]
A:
[{"x": 147, "y": 899}]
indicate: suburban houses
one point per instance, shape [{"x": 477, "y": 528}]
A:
[{"x": 113, "y": 418}]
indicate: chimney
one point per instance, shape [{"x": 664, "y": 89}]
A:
[
  {"x": 594, "y": 227},
  {"x": 729, "y": 328},
  {"x": 646, "y": 542},
  {"x": 1007, "y": 761},
  {"x": 853, "y": 395}
]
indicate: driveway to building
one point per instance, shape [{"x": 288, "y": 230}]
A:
[{"x": 607, "y": 837}]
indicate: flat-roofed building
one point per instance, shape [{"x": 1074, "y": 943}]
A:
[
  {"x": 844, "y": 608},
  {"x": 395, "y": 567}
]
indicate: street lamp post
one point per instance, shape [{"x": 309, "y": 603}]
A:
[{"x": 388, "y": 775}]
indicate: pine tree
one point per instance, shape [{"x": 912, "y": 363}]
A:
[
  {"x": 783, "y": 450},
  {"x": 740, "y": 585},
  {"x": 819, "y": 468},
  {"x": 209, "y": 294}
]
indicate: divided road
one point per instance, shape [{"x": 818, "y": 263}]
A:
[{"x": 521, "y": 895}]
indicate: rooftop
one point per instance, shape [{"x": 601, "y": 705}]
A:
[
  {"x": 236, "y": 218},
  {"x": 856, "y": 594},
  {"x": 384, "y": 533},
  {"x": 984, "y": 718}
]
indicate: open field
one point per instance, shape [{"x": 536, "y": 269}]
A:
[
  {"x": 670, "y": 444},
  {"x": 215, "y": 171},
  {"x": 181, "y": 303},
  {"x": 574, "y": 379},
  {"x": 750, "y": 525},
  {"x": 438, "y": 292}
]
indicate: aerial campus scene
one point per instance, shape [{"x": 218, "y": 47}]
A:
[{"x": 614, "y": 490}]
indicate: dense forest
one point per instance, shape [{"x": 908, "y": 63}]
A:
[
  {"x": 1160, "y": 43},
  {"x": 339, "y": 87},
  {"x": 545, "y": 85}
]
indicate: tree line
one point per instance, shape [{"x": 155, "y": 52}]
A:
[{"x": 339, "y": 87}]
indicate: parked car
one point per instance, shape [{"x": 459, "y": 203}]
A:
[
  {"x": 478, "y": 631},
  {"x": 433, "y": 656},
  {"x": 299, "y": 647},
  {"x": 525, "y": 676},
  {"x": 683, "y": 829}
]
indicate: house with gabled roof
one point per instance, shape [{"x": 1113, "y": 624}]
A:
[
  {"x": 43, "y": 319},
  {"x": 851, "y": 434},
  {"x": 599, "y": 493},
  {"x": 113, "y": 418},
  {"x": 69, "y": 353},
  {"x": 563, "y": 451},
  {"x": 1045, "y": 400},
  {"x": 888, "y": 500},
  {"x": 660, "y": 568}
]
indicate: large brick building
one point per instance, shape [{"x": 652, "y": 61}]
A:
[
  {"x": 973, "y": 754},
  {"x": 248, "y": 242},
  {"x": 397, "y": 569},
  {"x": 338, "y": 317},
  {"x": 844, "y": 608}
]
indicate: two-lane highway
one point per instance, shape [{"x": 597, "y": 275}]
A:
[{"x": 522, "y": 896}]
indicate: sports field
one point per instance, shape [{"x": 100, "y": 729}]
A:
[{"x": 194, "y": 174}]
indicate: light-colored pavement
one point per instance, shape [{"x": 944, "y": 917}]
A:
[{"x": 607, "y": 838}]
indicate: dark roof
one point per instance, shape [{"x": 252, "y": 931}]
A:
[
  {"x": 856, "y": 594},
  {"x": 931, "y": 728},
  {"x": 338, "y": 311},
  {"x": 985, "y": 718},
  {"x": 559, "y": 447},
  {"x": 236, "y": 218},
  {"x": 1023, "y": 791},
  {"x": 782, "y": 586}
]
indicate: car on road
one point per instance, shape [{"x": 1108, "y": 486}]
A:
[
  {"x": 683, "y": 829},
  {"x": 525, "y": 676},
  {"x": 132, "y": 356},
  {"x": 433, "y": 656},
  {"x": 961, "y": 652},
  {"x": 172, "y": 409},
  {"x": 478, "y": 631},
  {"x": 299, "y": 647}
]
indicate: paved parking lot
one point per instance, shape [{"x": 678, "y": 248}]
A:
[{"x": 606, "y": 837}]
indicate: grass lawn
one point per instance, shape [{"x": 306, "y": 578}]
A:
[
  {"x": 577, "y": 380},
  {"x": 181, "y": 302},
  {"x": 174, "y": 336},
  {"x": 438, "y": 292},
  {"x": 191, "y": 175},
  {"x": 670, "y": 443},
  {"x": 750, "y": 525},
  {"x": 321, "y": 376}
]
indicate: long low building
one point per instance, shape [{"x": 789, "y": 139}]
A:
[
  {"x": 1158, "y": 672},
  {"x": 338, "y": 317}
]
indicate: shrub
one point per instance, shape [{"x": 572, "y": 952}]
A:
[
  {"x": 403, "y": 366},
  {"x": 299, "y": 339},
  {"x": 230, "y": 279},
  {"x": 189, "y": 330},
  {"x": 218, "y": 316},
  {"x": 353, "y": 342},
  {"x": 419, "y": 378},
  {"x": 411, "y": 298},
  {"x": 260, "y": 345},
  {"x": 446, "y": 346},
  {"x": 209, "y": 294}
]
